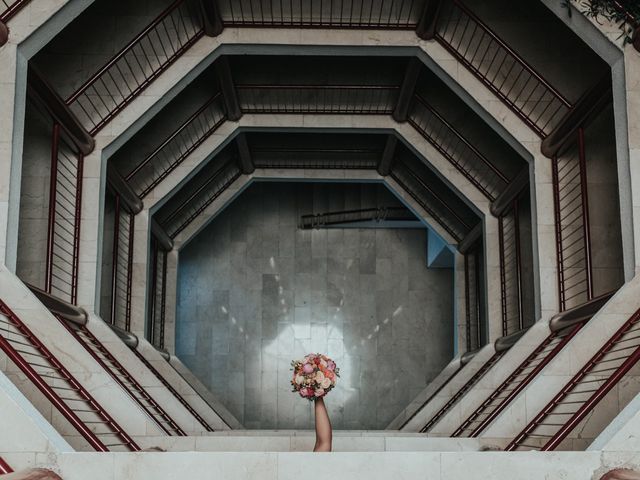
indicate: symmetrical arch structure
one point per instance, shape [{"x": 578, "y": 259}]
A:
[{"x": 125, "y": 145}]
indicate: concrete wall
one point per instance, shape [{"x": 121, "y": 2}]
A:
[
  {"x": 342, "y": 466},
  {"x": 533, "y": 31},
  {"x": 255, "y": 292},
  {"x": 34, "y": 197},
  {"x": 105, "y": 27}
]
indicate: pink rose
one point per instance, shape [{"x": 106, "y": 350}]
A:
[
  {"x": 306, "y": 368},
  {"x": 331, "y": 365},
  {"x": 319, "y": 392},
  {"x": 306, "y": 392}
]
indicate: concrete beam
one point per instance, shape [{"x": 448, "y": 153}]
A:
[
  {"x": 44, "y": 95},
  {"x": 211, "y": 17},
  {"x": 386, "y": 161},
  {"x": 408, "y": 87},
  {"x": 510, "y": 193},
  {"x": 426, "y": 28},
  {"x": 228, "y": 89},
  {"x": 244, "y": 155}
]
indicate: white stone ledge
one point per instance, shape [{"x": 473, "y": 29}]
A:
[
  {"x": 303, "y": 441},
  {"x": 337, "y": 466}
]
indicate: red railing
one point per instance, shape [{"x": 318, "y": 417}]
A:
[
  {"x": 200, "y": 198},
  {"x": 4, "y": 467},
  {"x": 122, "y": 377},
  {"x": 173, "y": 391},
  {"x": 121, "y": 265},
  {"x": 511, "y": 270},
  {"x": 319, "y": 99},
  {"x": 158, "y": 296},
  {"x": 137, "y": 65},
  {"x": 584, "y": 391},
  {"x": 469, "y": 161},
  {"x": 55, "y": 382},
  {"x": 63, "y": 235},
  {"x": 486, "y": 413},
  {"x": 462, "y": 391},
  {"x": 347, "y": 158},
  {"x": 439, "y": 389},
  {"x": 167, "y": 156},
  {"x": 573, "y": 236},
  {"x": 379, "y": 214},
  {"x": 500, "y": 68},
  {"x": 370, "y": 14},
  {"x": 435, "y": 206},
  {"x": 9, "y": 9}
]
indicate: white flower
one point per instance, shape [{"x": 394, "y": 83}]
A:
[
  {"x": 319, "y": 377},
  {"x": 299, "y": 379},
  {"x": 326, "y": 383}
]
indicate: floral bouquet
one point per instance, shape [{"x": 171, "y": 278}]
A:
[{"x": 314, "y": 376}]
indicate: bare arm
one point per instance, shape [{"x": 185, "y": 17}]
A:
[{"x": 323, "y": 427}]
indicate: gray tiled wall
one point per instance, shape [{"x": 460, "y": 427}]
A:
[{"x": 256, "y": 292}]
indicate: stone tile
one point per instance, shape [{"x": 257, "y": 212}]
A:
[{"x": 363, "y": 296}]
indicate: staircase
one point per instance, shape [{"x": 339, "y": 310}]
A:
[{"x": 560, "y": 122}]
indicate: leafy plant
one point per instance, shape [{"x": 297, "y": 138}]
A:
[{"x": 625, "y": 13}]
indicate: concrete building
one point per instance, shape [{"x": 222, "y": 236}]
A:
[{"x": 440, "y": 195}]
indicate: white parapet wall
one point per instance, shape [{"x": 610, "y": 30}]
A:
[
  {"x": 409, "y": 465},
  {"x": 304, "y": 440},
  {"x": 24, "y": 431}
]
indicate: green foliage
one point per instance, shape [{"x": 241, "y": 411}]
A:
[{"x": 625, "y": 13}]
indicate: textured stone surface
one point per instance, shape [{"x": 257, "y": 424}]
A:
[{"x": 256, "y": 292}]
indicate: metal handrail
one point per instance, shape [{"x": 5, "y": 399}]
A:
[
  {"x": 65, "y": 189},
  {"x": 68, "y": 311},
  {"x": 538, "y": 125},
  {"x": 58, "y": 402},
  {"x": 482, "y": 371},
  {"x": 147, "y": 77},
  {"x": 12, "y": 9},
  {"x": 564, "y": 327},
  {"x": 173, "y": 391},
  {"x": 175, "y": 133},
  {"x": 365, "y": 214},
  {"x": 188, "y": 149},
  {"x": 580, "y": 223},
  {"x": 447, "y": 207},
  {"x": 438, "y": 390},
  {"x": 556, "y": 341},
  {"x": 74, "y": 319},
  {"x": 462, "y": 138},
  {"x": 270, "y": 13},
  {"x": 512, "y": 52},
  {"x": 302, "y": 86},
  {"x": 617, "y": 373},
  {"x": 132, "y": 43},
  {"x": 384, "y": 102},
  {"x": 4, "y": 467},
  {"x": 579, "y": 314},
  {"x": 122, "y": 377}
]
